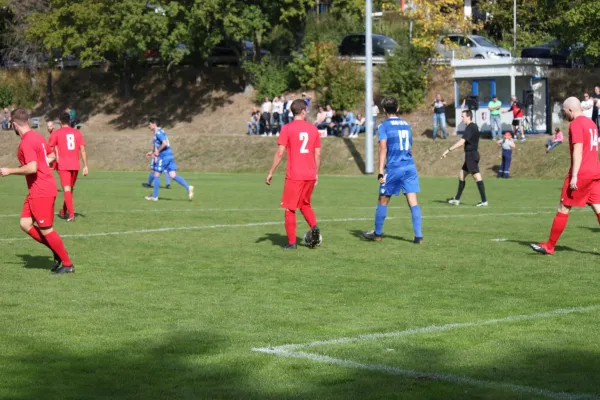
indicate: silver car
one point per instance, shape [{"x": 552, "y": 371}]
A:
[{"x": 469, "y": 46}]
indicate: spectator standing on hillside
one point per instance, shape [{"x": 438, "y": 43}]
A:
[
  {"x": 439, "y": 115},
  {"x": 517, "y": 109},
  {"x": 73, "y": 116},
  {"x": 348, "y": 122},
  {"x": 495, "y": 118},
  {"x": 595, "y": 114},
  {"x": 359, "y": 126},
  {"x": 375, "y": 111},
  {"x": 289, "y": 107},
  {"x": 277, "y": 109},
  {"x": 507, "y": 144},
  {"x": 284, "y": 115},
  {"x": 557, "y": 139},
  {"x": 265, "y": 111},
  {"x": 253, "y": 122},
  {"x": 307, "y": 100},
  {"x": 6, "y": 119},
  {"x": 587, "y": 106}
]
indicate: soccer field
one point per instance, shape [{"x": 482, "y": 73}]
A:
[{"x": 195, "y": 300}]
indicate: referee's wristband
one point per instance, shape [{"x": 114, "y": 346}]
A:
[{"x": 380, "y": 176}]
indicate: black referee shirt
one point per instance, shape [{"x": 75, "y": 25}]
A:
[{"x": 471, "y": 137}]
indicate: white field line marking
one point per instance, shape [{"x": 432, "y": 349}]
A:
[
  {"x": 272, "y": 209},
  {"x": 249, "y": 225},
  {"x": 461, "y": 380},
  {"x": 438, "y": 328}
]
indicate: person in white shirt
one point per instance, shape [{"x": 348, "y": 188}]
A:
[
  {"x": 587, "y": 105},
  {"x": 375, "y": 111},
  {"x": 320, "y": 121},
  {"x": 289, "y": 107},
  {"x": 359, "y": 126},
  {"x": 266, "y": 109},
  {"x": 278, "y": 109}
]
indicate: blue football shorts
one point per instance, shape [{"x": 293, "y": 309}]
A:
[
  {"x": 166, "y": 164},
  {"x": 405, "y": 180}
]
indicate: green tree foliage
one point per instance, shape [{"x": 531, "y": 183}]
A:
[
  {"x": 404, "y": 76},
  {"x": 344, "y": 85},
  {"x": 6, "y": 96},
  {"x": 310, "y": 68},
  {"x": 269, "y": 77}
]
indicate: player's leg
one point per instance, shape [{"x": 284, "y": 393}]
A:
[
  {"x": 150, "y": 181},
  {"x": 171, "y": 169},
  {"x": 292, "y": 190},
  {"x": 168, "y": 181},
  {"x": 68, "y": 179},
  {"x": 386, "y": 190},
  {"x": 507, "y": 164},
  {"x": 461, "y": 185},
  {"x": 309, "y": 214},
  {"x": 410, "y": 186},
  {"x": 158, "y": 169},
  {"x": 473, "y": 165},
  {"x": 559, "y": 223}
]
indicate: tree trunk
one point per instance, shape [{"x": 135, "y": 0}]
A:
[{"x": 49, "y": 88}]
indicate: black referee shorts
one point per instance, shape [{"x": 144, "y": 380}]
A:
[{"x": 471, "y": 164}]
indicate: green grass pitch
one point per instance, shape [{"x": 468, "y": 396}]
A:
[{"x": 169, "y": 299}]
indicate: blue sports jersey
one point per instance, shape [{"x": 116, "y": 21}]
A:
[
  {"x": 159, "y": 137},
  {"x": 399, "y": 138}
]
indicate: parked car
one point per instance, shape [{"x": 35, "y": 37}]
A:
[
  {"x": 355, "y": 45},
  {"x": 561, "y": 57},
  {"x": 470, "y": 46}
]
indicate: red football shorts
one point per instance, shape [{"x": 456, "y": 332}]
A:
[
  {"x": 588, "y": 192},
  {"x": 40, "y": 209},
  {"x": 296, "y": 194},
  {"x": 68, "y": 178}
]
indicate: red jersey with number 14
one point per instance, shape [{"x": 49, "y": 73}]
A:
[
  {"x": 67, "y": 141},
  {"x": 584, "y": 130},
  {"x": 33, "y": 147},
  {"x": 301, "y": 139}
]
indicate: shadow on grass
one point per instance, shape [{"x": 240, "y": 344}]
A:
[
  {"x": 358, "y": 234},
  {"x": 276, "y": 239},
  {"x": 358, "y": 158},
  {"x": 36, "y": 262},
  {"x": 557, "y": 248}
]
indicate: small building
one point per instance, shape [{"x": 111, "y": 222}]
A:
[{"x": 480, "y": 79}]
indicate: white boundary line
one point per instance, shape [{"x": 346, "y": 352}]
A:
[
  {"x": 289, "y": 351},
  {"x": 255, "y": 224}
]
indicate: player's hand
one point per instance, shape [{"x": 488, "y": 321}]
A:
[
  {"x": 4, "y": 172},
  {"x": 149, "y": 154},
  {"x": 85, "y": 171},
  {"x": 573, "y": 184},
  {"x": 381, "y": 178},
  {"x": 445, "y": 154},
  {"x": 269, "y": 179}
]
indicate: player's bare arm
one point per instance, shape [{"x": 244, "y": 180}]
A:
[
  {"x": 276, "y": 161},
  {"x": 27, "y": 169},
  {"x": 577, "y": 157},
  {"x": 456, "y": 145},
  {"x": 317, "y": 161},
  {"x": 84, "y": 159},
  {"x": 50, "y": 158},
  {"x": 382, "y": 160}
]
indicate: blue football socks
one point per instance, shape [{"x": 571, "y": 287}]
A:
[
  {"x": 380, "y": 214},
  {"x": 167, "y": 179},
  {"x": 156, "y": 186},
  {"x": 182, "y": 182},
  {"x": 150, "y": 178},
  {"x": 417, "y": 220}
]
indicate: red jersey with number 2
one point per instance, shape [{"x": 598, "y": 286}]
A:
[
  {"x": 584, "y": 130},
  {"x": 301, "y": 139},
  {"x": 33, "y": 147},
  {"x": 67, "y": 142}
]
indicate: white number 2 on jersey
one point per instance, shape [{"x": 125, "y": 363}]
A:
[
  {"x": 593, "y": 139},
  {"x": 304, "y": 139},
  {"x": 71, "y": 142}
]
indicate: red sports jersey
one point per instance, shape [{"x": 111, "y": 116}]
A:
[
  {"x": 300, "y": 138},
  {"x": 67, "y": 143},
  {"x": 517, "y": 111},
  {"x": 33, "y": 147},
  {"x": 583, "y": 130}
]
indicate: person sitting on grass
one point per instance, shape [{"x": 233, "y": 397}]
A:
[
  {"x": 557, "y": 139},
  {"x": 359, "y": 126}
]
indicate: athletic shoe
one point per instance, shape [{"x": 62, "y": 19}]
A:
[
  {"x": 61, "y": 214},
  {"x": 453, "y": 201},
  {"x": 146, "y": 185},
  {"x": 70, "y": 219},
  {"x": 168, "y": 186},
  {"x": 57, "y": 263},
  {"x": 482, "y": 204},
  {"x": 315, "y": 234},
  {"x": 150, "y": 198},
  {"x": 542, "y": 248},
  {"x": 371, "y": 235},
  {"x": 65, "y": 270},
  {"x": 191, "y": 193},
  {"x": 290, "y": 247},
  {"x": 418, "y": 240}
]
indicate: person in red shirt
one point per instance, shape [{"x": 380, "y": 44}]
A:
[
  {"x": 517, "y": 123},
  {"x": 303, "y": 145},
  {"x": 67, "y": 142},
  {"x": 582, "y": 184},
  {"x": 35, "y": 155}
]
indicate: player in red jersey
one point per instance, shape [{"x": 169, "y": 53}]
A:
[
  {"x": 582, "y": 184},
  {"x": 34, "y": 154},
  {"x": 303, "y": 144},
  {"x": 67, "y": 142}
]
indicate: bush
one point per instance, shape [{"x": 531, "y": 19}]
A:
[
  {"x": 344, "y": 85},
  {"x": 310, "y": 68},
  {"x": 404, "y": 77},
  {"x": 6, "y": 96},
  {"x": 269, "y": 77},
  {"x": 331, "y": 27}
]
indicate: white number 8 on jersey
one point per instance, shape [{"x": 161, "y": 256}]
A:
[{"x": 71, "y": 141}]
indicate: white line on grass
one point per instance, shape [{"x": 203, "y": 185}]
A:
[
  {"x": 461, "y": 380},
  {"x": 255, "y": 224},
  {"x": 438, "y": 328}
]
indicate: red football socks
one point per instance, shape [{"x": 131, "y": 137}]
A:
[
  {"x": 309, "y": 215},
  {"x": 57, "y": 246},
  {"x": 290, "y": 226},
  {"x": 558, "y": 226},
  {"x": 69, "y": 203},
  {"x": 36, "y": 234}
]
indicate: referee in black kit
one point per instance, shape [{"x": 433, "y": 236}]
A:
[{"x": 470, "y": 141}]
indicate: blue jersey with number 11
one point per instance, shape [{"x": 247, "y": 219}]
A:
[{"x": 399, "y": 138}]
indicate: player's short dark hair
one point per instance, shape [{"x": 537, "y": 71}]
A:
[
  {"x": 389, "y": 105},
  {"x": 298, "y": 106},
  {"x": 20, "y": 116},
  {"x": 468, "y": 113},
  {"x": 65, "y": 118},
  {"x": 154, "y": 120}
]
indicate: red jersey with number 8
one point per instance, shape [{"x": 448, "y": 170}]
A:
[
  {"x": 300, "y": 138},
  {"x": 33, "y": 147},
  {"x": 67, "y": 142},
  {"x": 584, "y": 130}
]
